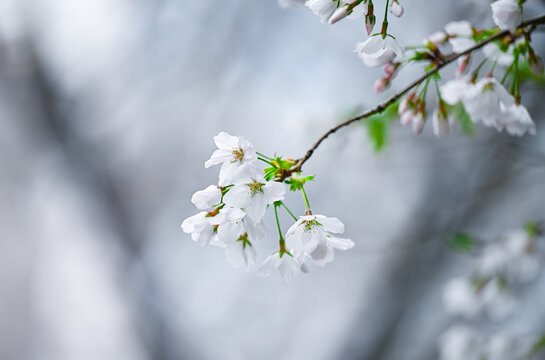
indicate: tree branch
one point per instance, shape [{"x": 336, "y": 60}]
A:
[{"x": 527, "y": 27}]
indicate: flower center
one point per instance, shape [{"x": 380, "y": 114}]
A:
[
  {"x": 255, "y": 187},
  {"x": 238, "y": 154}
]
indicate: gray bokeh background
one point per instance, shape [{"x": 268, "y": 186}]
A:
[{"x": 107, "y": 113}]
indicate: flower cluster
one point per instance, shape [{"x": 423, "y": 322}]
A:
[
  {"x": 481, "y": 99},
  {"x": 512, "y": 260},
  {"x": 232, "y": 212}
]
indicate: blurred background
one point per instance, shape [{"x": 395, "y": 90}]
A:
[{"x": 107, "y": 113}]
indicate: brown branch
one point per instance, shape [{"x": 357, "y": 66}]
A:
[{"x": 527, "y": 27}]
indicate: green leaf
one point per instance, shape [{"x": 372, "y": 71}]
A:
[
  {"x": 462, "y": 242},
  {"x": 466, "y": 124},
  {"x": 538, "y": 345},
  {"x": 526, "y": 74},
  {"x": 377, "y": 126},
  {"x": 296, "y": 181},
  {"x": 531, "y": 228}
]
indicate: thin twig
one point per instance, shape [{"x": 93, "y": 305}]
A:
[{"x": 528, "y": 26}]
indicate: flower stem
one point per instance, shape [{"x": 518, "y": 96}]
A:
[
  {"x": 307, "y": 205},
  {"x": 288, "y": 210},
  {"x": 263, "y": 155},
  {"x": 264, "y": 160},
  {"x": 281, "y": 241},
  {"x": 385, "y": 21}
]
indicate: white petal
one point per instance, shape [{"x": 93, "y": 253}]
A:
[
  {"x": 332, "y": 225},
  {"x": 205, "y": 199},
  {"x": 238, "y": 196},
  {"x": 340, "y": 243},
  {"x": 218, "y": 157},
  {"x": 225, "y": 141},
  {"x": 289, "y": 269},
  {"x": 274, "y": 191},
  {"x": 270, "y": 265}
]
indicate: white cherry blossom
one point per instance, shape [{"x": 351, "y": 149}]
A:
[
  {"x": 460, "y": 35},
  {"x": 485, "y": 102},
  {"x": 253, "y": 195},
  {"x": 207, "y": 198},
  {"x": 200, "y": 228},
  {"x": 322, "y": 8},
  {"x": 495, "y": 54},
  {"x": 237, "y": 156},
  {"x": 506, "y": 14},
  {"x": 311, "y": 234},
  {"x": 378, "y": 51},
  {"x": 517, "y": 120},
  {"x": 241, "y": 253},
  {"x": 460, "y": 342},
  {"x": 454, "y": 91},
  {"x": 460, "y": 297},
  {"x": 440, "y": 123},
  {"x": 342, "y": 12},
  {"x": 287, "y": 266}
]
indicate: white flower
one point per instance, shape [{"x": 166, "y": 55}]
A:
[
  {"x": 495, "y": 54},
  {"x": 205, "y": 199},
  {"x": 287, "y": 265},
  {"x": 232, "y": 223},
  {"x": 437, "y": 38},
  {"x": 311, "y": 234},
  {"x": 525, "y": 262},
  {"x": 200, "y": 228},
  {"x": 396, "y": 9},
  {"x": 517, "y": 120},
  {"x": 236, "y": 155},
  {"x": 377, "y": 51},
  {"x": 454, "y": 91},
  {"x": 241, "y": 254},
  {"x": 323, "y": 8},
  {"x": 485, "y": 102},
  {"x": 342, "y": 12},
  {"x": 440, "y": 123},
  {"x": 460, "y": 342},
  {"x": 496, "y": 300},
  {"x": 253, "y": 195},
  {"x": 460, "y": 298},
  {"x": 460, "y": 35},
  {"x": 493, "y": 261},
  {"x": 418, "y": 122},
  {"x": 502, "y": 346},
  {"x": 506, "y": 14}
]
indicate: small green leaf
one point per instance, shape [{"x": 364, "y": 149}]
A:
[
  {"x": 538, "y": 345},
  {"x": 462, "y": 242},
  {"x": 466, "y": 124},
  {"x": 531, "y": 228},
  {"x": 377, "y": 126}
]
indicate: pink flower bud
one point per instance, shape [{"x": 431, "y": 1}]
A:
[
  {"x": 381, "y": 84},
  {"x": 390, "y": 69},
  {"x": 463, "y": 62},
  {"x": 406, "y": 117},
  {"x": 418, "y": 123},
  {"x": 438, "y": 37},
  {"x": 396, "y": 9},
  {"x": 370, "y": 23},
  {"x": 338, "y": 15}
]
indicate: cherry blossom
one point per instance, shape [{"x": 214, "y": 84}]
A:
[
  {"x": 379, "y": 50},
  {"x": 506, "y": 14},
  {"x": 207, "y": 198},
  {"x": 286, "y": 264},
  {"x": 311, "y": 234},
  {"x": 460, "y": 35},
  {"x": 253, "y": 195},
  {"x": 200, "y": 228},
  {"x": 236, "y": 155}
]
